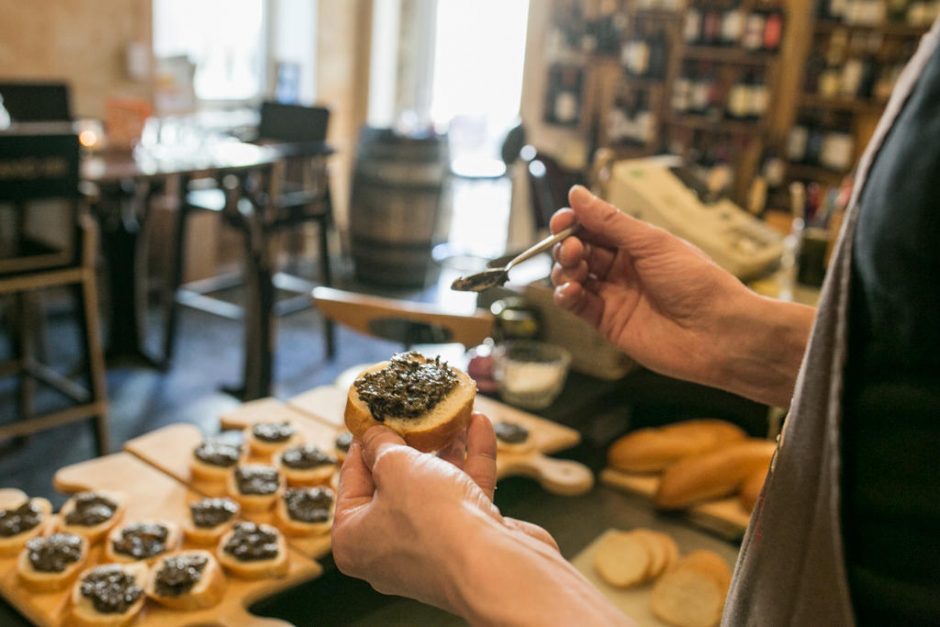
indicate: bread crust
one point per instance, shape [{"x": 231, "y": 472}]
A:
[
  {"x": 207, "y": 592},
  {"x": 259, "y": 569},
  {"x": 36, "y": 581},
  {"x": 430, "y": 432},
  {"x": 267, "y": 450},
  {"x": 654, "y": 449},
  {"x": 96, "y": 532},
  {"x": 82, "y": 612},
  {"x": 298, "y": 528},
  {"x": 319, "y": 475},
  {"x": 208, "y": 536},
  {"x": 173, "y": 539},
  {"x": 14, "y": 544},
  {"x": 255, "y": 503},
  {"x": 712, "y": 475}
]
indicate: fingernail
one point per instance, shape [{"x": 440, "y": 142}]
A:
[{"x": 581, "y": 194}]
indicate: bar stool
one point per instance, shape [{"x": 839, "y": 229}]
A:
[
  {"x": 262, "y": 212},
  {"x": 41, "y": 173}
]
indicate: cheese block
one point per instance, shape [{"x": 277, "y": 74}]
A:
[
  {"x": 712, "y": 475},
  {"x": 654, "y": 449}
]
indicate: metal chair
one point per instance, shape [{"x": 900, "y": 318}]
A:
[{"x": 39, "y": 171}]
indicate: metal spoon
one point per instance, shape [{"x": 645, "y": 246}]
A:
[{"x": 495, "y": 277}]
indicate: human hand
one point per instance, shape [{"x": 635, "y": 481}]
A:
[
  {"x": 405, "y": 520},
  {"x": 667, "y": 305}
]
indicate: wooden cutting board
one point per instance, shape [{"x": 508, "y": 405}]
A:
[
  {"x": 726, "y": 517},
  {"x": 635, "y": 602},
  {"x": 328, "y": 403},
  {"x": 150, "y": 495},
  {"x": 170, "y": 450}
]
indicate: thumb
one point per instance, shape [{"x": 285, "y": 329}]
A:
[
  {"x": 608, "y": 226},
  {"x": 377, "y": 439}
]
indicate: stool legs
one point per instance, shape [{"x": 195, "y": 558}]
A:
[{"x": 87, "y": 300}]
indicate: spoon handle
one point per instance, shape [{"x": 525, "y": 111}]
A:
[{"x": 542, "y": 246}]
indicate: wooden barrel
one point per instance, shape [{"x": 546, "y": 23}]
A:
[{"x": 399, "y": 209}]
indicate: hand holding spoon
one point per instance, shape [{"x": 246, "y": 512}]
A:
[{"x": 494, "y": 277}]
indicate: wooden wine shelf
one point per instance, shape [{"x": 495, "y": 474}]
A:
[
  {"x": 890, "y": 29},
  {"x": 842, "y": 104},
  {"x": 702, "y": 123},
  {"x": 733, "y": 55},
  {"x": 814, "y": 173}
]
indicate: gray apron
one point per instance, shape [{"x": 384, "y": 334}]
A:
[{"x": 791, "y": 568}]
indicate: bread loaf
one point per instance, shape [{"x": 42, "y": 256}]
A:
[
  {"x": 430, "y": 430},
  {"x": 652, "y": 450},
  {"x": 712, "y": 475},
  {"x": 752, "y": 487}
]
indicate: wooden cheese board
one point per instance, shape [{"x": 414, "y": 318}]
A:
[
  {"x": 635, "y": 602},
  {"x": 327, "y": 404},
  {"x": 170, "y": 449},
  {"x": 150, "y": 494},
  {"x": 726, "y": 517}
]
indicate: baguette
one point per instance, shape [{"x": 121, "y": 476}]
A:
[
  {"x": 693, "y": 593},
  {"x": 251, "y": 502},
  {"x": 654, "y": 449},
  {"x": 220, "y": 459},
  {"x": 430, "y": 430},
  {"x": 83, "y": 612},
  {"x": 17, "y": 515},
  {"x": 147, "y": 541},
  {"x": 266, "y": 439},
  {"x": 711, "y": 475},
  {"x": 250, "y": 534},
  {"x": 214, "y": 510},
  {"x": 96, "y": 505},
  {"x": 70, "y": 551},
  {"x": 169, "y": 582},
  {"x": 752, "y": 487},
  {"x": 320, "y": 470},
  {"x": 316, "y": 496}
]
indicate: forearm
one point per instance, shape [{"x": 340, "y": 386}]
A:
[
  {"x": 760, "y": 356},
  {"x": 510, "y": 578}
]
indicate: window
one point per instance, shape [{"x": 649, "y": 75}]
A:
[{"x": 225, "y": 39}]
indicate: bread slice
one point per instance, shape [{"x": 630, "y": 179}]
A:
[
  {"x": 709, "y": 563},
  {"x": 10, "y": 546},
  {"x": 503, "y": 446},
  {"x": 40, "y": 581},
  {"x": 687, "y": 598},
  {"x": 751, "y": 488},
  {"x": 652, "y": 450},
  {"x": 204, "y": 471},
  {"x": 266, "y": 450},
  {"x": 669, "y": 545},
  {"x": 92, "y": 532},
  {"x": 431, "y": 431},
  {"x": 206, "y": 592},
  {"x": 209, "y": 536},
  {"x": 622, "y": 560},
  {"x": 173, "y": 540},
  {"x": 339, "y": 451},
  {"x": 254, "y": 502},
  {"x": 659, "y": 556},
  {"x": 292, "y": 527},
  {"x": 82, "y": 612},
  {"x": 304, "y": 476},
  {"x": 276, "y": 566},
  {"x": 712, "y": 475}
]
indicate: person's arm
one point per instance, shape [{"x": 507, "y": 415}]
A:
[
  {"x": 667, "y": 305},
  {"x": 416, "y": 525}
]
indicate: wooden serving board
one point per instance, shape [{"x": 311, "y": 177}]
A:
[
  {"x": 328, "y": 403},
  {"x": 170, "y": 450},
  {"x": 635, "y": 602},
  {"x": 150, "y": 494},
  {"x": 725, "y": 517}
]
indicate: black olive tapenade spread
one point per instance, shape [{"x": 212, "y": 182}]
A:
[
  {"x": 309, "y": 505},
  {"x": 511, "y": 432},
  {"x": 218, "y": 453},
  {"x": 111, "y": 589},
  {"x": 273, "y": 431},
  {"x": 251, "y": 542},
  {"x": 54, "y": 553},
  {"x": 141, "y": 540},
  {"x": 90, "y": 509},
  {"x": 306, "y": 457},
  {"x": 179, "y": 573},
  {"x": 408, "y": 387},
  {"x": 15, "y": 521},
  {"x": 209, "y": 513},
  {"x": 344, "y": 441},
  {"x": 260, "y": 480}
]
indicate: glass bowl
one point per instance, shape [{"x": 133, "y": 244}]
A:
[{"x": 530, "y": 374}]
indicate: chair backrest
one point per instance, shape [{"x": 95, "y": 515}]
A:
[
  {"x": 293, "y": 123},
  {"x": 39, "y": 198},
  {"x": 36, "y": 101},
  {"x": 402, "y": 321},
  {"x": 512, "y": 144}
]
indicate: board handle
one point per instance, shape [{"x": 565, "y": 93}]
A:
[{"x": 558, "y": 476}]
